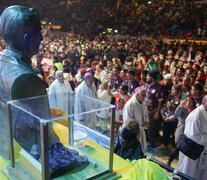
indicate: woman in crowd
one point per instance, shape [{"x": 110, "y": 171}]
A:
[
  {"x": 181, "y": 112},
  {"x": 168, "y": 115},
  {"x": 103, "y": 115}
]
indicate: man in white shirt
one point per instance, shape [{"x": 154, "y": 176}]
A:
[
  {"x": 59, "y": 91},
  {"x": 196, "y": 130}
]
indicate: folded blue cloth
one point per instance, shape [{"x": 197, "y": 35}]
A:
[{"x": 62, "y": 160}]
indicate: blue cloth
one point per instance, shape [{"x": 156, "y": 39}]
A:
[{"x": 62, "y": 160}]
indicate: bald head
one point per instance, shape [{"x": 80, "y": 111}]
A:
[{"x": 140, "y": 94}]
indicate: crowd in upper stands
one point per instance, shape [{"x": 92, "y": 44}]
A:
[{"x": 88, "y": 17}]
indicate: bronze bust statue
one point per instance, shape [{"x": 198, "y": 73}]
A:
[{"x": 20, "y": 29}]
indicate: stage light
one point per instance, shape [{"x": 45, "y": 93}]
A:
[
  {"x": 109, "y": 30},
  {"x": 115, "y": 31}
]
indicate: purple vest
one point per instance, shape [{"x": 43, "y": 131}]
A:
[
  {"x": 116, "y": 82},
  {"x": 153, "y": 95}
]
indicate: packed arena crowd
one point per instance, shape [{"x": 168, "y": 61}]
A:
[
  {"x": 89, "y": 18},
  {"x": 167, "y": 78},
  {"x": 179, "y": 69}
]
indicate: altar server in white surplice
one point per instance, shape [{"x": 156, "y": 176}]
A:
[
  {"x": 85, "y": 100},
  {"x": 196, "y": 130},
  {"x": 59, "y": 92}
]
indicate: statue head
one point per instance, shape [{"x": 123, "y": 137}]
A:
[{"x": 21, "y": 29}]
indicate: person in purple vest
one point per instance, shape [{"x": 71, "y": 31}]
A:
[
  {"x": 131, "y": 82},
  {"x": 116, "y": 81},
  {"x": 154, "y": 103}
]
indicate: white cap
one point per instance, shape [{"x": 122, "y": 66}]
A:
[{"x": 167, "y": 76}]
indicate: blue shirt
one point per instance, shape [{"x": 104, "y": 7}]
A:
[{"x": 128, "y": 153}]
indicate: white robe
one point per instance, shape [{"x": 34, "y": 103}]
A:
[
  {"x": 133, "y": 110},
  {"x": 195, "y": 129},
  {"x": 84, "y": 104},
  {"x": 103, "y": 95},
  {"x": 58, "y": 95},
  {"x": 102, "y": 76}
]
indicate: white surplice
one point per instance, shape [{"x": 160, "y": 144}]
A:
[
  {"x": 133, "y": 110},
  {"x": 84, "y": 104},
  {"x": 195, "y": 129},
  {"x": 58, "y": 95}
]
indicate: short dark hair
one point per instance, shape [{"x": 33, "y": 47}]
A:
[
  {"x": 124, "y": 88},
  {"x": 145, "y": 72},
  {"x": 15, "y": 21},
  {"x": 117, "y": 68},
  {"x": 132, "y": 72},
  {"x": 100, "y": 66},
  {"x": 198, "y": 86},
  {"x": 153, "y": 74}
]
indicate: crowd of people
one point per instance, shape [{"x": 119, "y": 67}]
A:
[
  {"x": 147, "y": 81},
  {"x": 89, "y": 18},
  {"x": 154, "y": 85}
]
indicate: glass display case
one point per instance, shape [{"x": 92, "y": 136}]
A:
[{"x": 61, "y": 141}]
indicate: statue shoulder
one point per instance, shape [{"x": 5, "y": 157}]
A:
[{"x": 28, "y": 85}]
